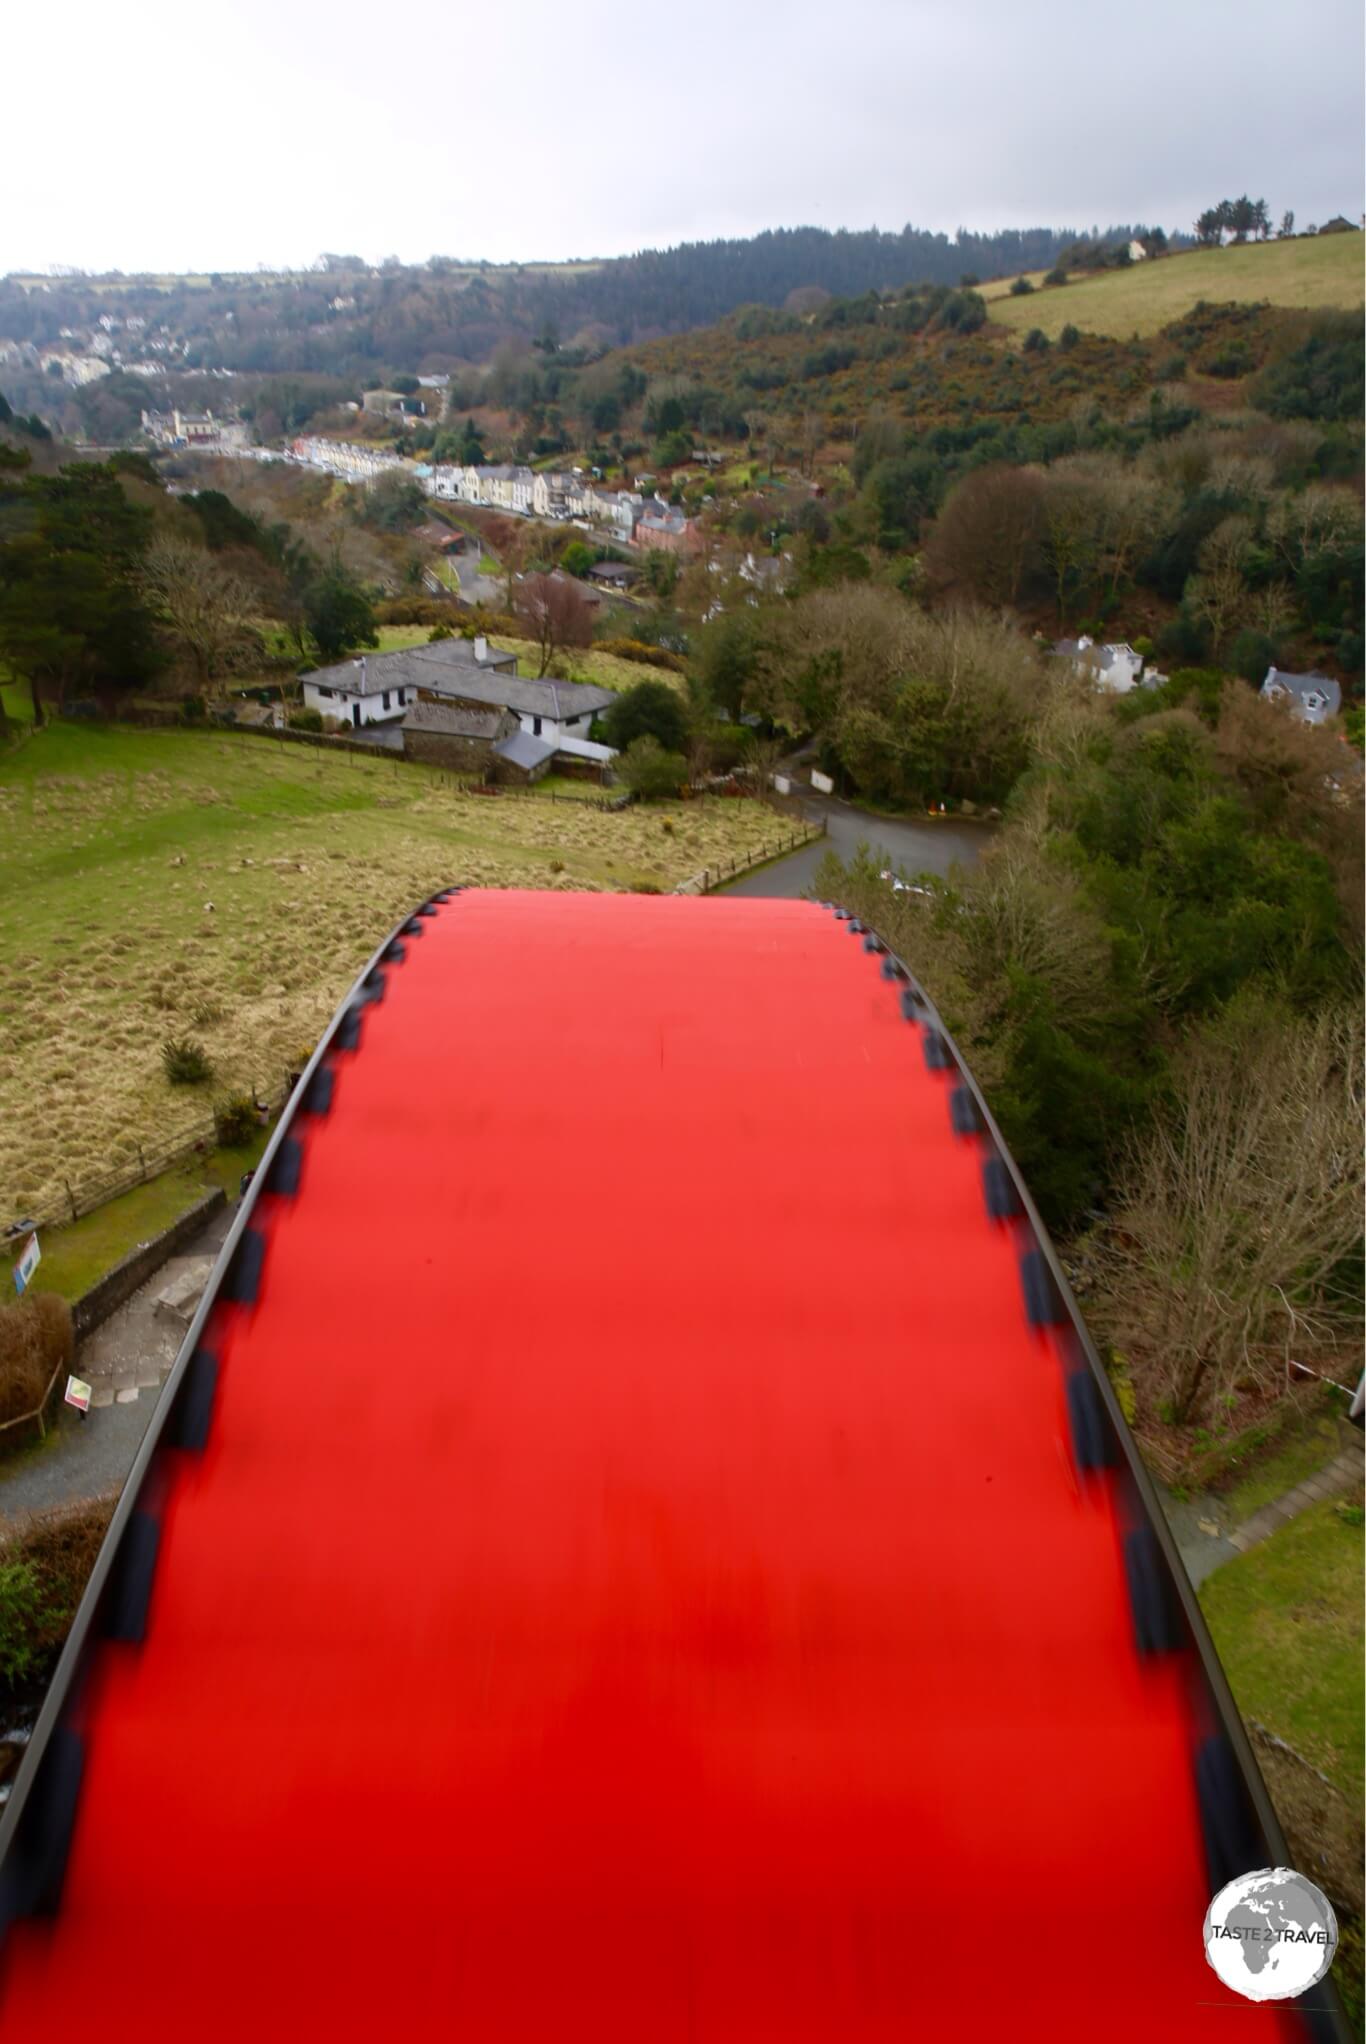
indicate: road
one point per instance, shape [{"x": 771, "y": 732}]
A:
[{"x": 919, "y": 847}]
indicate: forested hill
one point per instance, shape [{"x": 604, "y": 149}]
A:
[{"x": 359, "y": 323}]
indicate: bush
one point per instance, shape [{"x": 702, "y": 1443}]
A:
[
  {"x": 439, "y": 632},
  {"x": 1251, "y": 654},
  {"x": 186, "y": 1061},
  {"x": 645, "y": 655},
  {"x": 192, "y": 709},
  {"x": 650, "y": 772},
  {"x": 1056, "y": 276},
  {"x": 235, "y": 1121},
  {"x": 1021, "y": 288},
  {"x": 21, "y": 1604},
  {"x": 305, "y": 720},
  {"x": 650, "y": 709},
  {"x": 1068, "y": 338},
  {"x": 1036, "y": 341},
  {"x": 43, "y": 1571},
  {"x": 36, "y": 1338}
]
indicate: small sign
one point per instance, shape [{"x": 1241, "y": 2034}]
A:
[
  {"x": 78, "y": 1394},
  {"x": 822, "y": 783},
  {"x": 29, "y": 1259}
]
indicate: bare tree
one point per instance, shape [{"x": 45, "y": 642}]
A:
[
  {"x": 204, "y": 605},
  {"x": 553, "y": 611},
  {"x": 1073, "y": 518},
  {"x": 1244, "y": 1201},
  {"x": 987, "y": 540},
  {"x": 1218, "y": 593}
]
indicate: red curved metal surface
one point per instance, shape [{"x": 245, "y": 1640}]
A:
[{"x": 637, "y": 1585}]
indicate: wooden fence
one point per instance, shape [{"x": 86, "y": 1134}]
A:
[{"x": 716, "y": 876}]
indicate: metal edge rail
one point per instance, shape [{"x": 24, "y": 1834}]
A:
[{"x": 85, "y": 1634}]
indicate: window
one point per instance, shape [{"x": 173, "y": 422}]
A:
[
  {"x": 535, "y": 727},
  {"x": 386, "y": 698}
]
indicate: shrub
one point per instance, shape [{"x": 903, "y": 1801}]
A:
[
  {"x": 1068, "y": 338},
  {"x": 439, "y": 632},
  {"x": 651, "y": 709},
  {"x": 21, "y": 1604},
  {"x": 645, "y": 655},
  {"x": 186, "y": 1061},
  {"x": 649, "y": 771},
  {"x": 36, "y": 1338},
  {"x": 1056, "y": 276},
  {"x": 305, "y": 720},
  {"x": 235, "y": 1121},
  {"x": 192, "y": 709},
  {"x": 1036, "y": 341},
  {"x": 1021, "y": 288}
]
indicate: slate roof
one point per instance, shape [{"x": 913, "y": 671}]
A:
[
  {"x": 453, "y": 721},
  {"x": 370, "y": 674},
  {"x": 1301, "y": 685},
  {"x": 522, "y": 750}
]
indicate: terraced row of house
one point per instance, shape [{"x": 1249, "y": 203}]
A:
[{"x": 627, "y": 516}]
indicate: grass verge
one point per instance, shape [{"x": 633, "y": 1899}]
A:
[{"x": 77, "y": 1256}]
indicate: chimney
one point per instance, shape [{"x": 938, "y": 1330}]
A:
[{"x": 481, "y": 648}]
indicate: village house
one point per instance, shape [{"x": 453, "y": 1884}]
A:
[
  {"x": 1114, "y": 668},
  {"x": 667, "y": 531},
  {"x": 1312, "y": 697},
  {"x": 379, "y": 687},
  {"x": 352, "y": 460}
]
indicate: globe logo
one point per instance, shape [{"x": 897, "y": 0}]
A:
[{"x": 1269, "y": 1935}]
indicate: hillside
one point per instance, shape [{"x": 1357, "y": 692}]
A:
[
  {"x": 347, "y": 319},
  {"x": 1305, "y": 274}
]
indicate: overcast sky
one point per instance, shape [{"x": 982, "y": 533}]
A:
[{"x": 183, "y": 137}]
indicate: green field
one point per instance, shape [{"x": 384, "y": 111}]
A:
[
  {"x": 1325, "y": 270},
  {"x": 1287, "y": 1620},
  {"x": 164, "y": 882}
]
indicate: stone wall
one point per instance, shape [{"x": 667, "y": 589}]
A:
[{"x": 119, "y": 1284}]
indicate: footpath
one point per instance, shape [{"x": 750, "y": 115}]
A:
[
  {"x": 126, "y": 1360},
  {"x": 1205, "y": 1537}
]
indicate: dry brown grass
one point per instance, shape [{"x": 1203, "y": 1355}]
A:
[{"x": 119, "y": 840}]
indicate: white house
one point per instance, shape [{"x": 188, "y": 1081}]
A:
[
  {"x": 1137, "y": 252},
  {"x": 1313, "y": 697},
  {"x": 1114, "y": 668},
  {"x": 358, "y": 691},
  {"x": 378, "y": 688}
]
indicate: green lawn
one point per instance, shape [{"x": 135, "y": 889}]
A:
[
  {"x": 1323, "y": 271},
  {"x": 1287, "y": 1621},
  {"x": 392, "y": 638},
  {"x": 76, "y": 1256},
  {"x": 164, "y": 882},
  {"x": 1301, "y": 1450}
]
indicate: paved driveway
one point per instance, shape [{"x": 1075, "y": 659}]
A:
[{"x": 919, "y": 846}]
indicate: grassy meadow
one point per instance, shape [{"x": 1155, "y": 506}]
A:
[
  {"x": 117, "y": 841},
  {"x": 1304, "y": 275}
]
